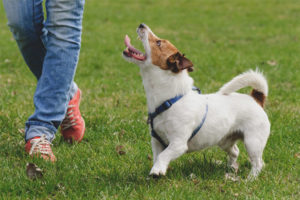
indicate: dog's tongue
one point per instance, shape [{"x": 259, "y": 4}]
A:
[{"x": 127, "y": 43}]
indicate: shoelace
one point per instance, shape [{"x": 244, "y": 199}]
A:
[
  {"x": 40, "y": 145},
  {"x": 69, "y": 120}
]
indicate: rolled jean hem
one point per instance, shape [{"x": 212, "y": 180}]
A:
[
  {"x": 73, "y": 90},
  {"x": 35, "y": 129}
]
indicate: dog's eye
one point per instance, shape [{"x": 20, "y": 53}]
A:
[{"x": 158, "y": 43}]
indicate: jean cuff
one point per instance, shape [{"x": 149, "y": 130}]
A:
[
  {"x": 35, "y": 129},
  {"x": 73, "y": 90}
]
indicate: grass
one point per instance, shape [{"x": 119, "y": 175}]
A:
[{"x": 222, "y": 38}]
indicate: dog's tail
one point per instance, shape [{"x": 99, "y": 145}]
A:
[{"x": 255, "y": 79}]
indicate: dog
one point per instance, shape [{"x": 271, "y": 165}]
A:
[{"x": 197, "y": 121}]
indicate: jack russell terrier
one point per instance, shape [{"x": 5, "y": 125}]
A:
[{"x": 182, "y": 120}]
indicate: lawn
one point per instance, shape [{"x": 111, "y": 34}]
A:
[{"x": 222, "y": 39}]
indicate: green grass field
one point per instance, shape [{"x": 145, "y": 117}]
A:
[{"x": 222, "y": 39}]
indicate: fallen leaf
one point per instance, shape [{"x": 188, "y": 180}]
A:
[
  {"x": 149, "y": 157},
  {"x": 122, "y": 132},
  {"x": 117, "y": 103},
  {"x": 221, "y": 189},
  {"x": 116, "y": 133},
  {"x": 297, "y": 155},
  {"x": 33, "y": 171},
  {"x": 21, "y": 130},
  {"x": 192, "y": 176},
  {"x": 196, "y": 181},
  {"x": 120, "y": 150},
  {"x": 219, "y": 162},
  {"x": 272, "y": 62}
]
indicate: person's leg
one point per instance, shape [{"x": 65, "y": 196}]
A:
[
  {"x": 63, "y": 25},
  {"x": 25, "y": 19}
]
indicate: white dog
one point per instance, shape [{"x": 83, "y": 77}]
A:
[{"x": 182, "y": 120}]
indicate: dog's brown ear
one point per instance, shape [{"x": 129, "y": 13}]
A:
[
  {"x": 178, "y": 62},
  {"x": 186, "y": 64}
]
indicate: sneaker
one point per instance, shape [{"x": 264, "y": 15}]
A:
[
  {"x": 40, "y": 147},
  {"x": 72, "y": 127}
]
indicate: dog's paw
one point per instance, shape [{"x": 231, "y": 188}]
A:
[
  {"x": 157, "y": 172},
  {"x": 251, "y": 178},
  {"x": 253, "y": 175}
]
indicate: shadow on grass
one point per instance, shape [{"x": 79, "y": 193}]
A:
[{"x": 201, "y": 167}]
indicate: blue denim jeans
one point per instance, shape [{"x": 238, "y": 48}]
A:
[{"x": 50, "y": 48}]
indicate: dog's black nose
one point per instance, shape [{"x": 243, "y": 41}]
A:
[{"x": 142, "y": 25}]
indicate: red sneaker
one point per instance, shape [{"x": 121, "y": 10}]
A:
[
  {"x": 73, "y": 126},
  {"x": 40, "y": 147}
]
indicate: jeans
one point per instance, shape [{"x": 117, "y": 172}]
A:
[{"x": 50, "y": 48}]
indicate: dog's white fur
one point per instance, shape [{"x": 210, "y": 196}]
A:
[{"x": 231, "y": 116}]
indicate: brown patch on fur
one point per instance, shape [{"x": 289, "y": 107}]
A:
[
  {"x": 259, "y": 97},
  {"x": 237, "y": 135},
  {"x": 165, "y": 55},
  {"x": 230, "y": 139}
]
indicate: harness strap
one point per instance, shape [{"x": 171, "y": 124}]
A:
[
  {"x": 165, "y": 106},
  {"x": 201, "y": 124},
  {"x": 154, "y": 134}
]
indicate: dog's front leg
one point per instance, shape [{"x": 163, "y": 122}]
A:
[
  {"x": 173, "y": 151},
  {"x": 157, "y": 148}
]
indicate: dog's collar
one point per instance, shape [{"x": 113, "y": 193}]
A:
[{"x": 165, "y": 106}]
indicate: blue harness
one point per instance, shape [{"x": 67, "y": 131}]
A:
[{"x": 165, "y": 106}]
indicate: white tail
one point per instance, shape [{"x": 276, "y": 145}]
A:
[{"x": 255, "y": 79}]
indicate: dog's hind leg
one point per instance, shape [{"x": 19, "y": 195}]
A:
[
  {"x": 255, "y": 147},
  {"x": 233, "y": 152},
  {"x": 173, "y": 151},
  {"x": 255, "y": 139}
]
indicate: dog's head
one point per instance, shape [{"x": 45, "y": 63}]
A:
[{"x": 158, "y": 52}]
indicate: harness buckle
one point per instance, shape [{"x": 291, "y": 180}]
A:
[{"x": 167, "y": 104}]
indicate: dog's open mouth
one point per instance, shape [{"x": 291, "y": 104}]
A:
[{"x": 132, "y": 52}]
